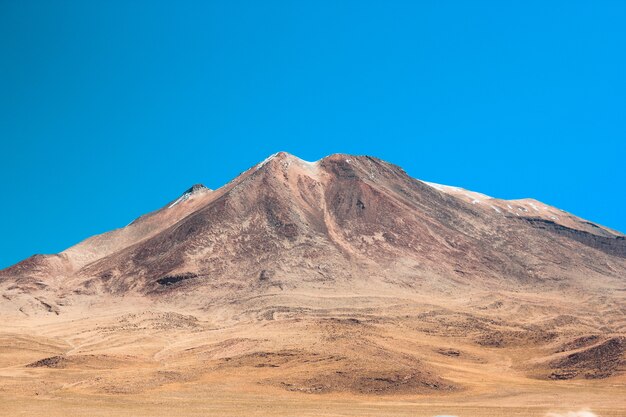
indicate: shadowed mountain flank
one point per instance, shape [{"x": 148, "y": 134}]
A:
[{"x": 354, "y": 215}]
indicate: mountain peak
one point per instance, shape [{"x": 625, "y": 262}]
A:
[
  {"x": 282, "y": 158},
  {"x": 193, "y": 190},
  {"x": 196, "y": 188}
]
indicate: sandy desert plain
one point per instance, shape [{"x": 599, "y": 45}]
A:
[{"x": 146, "y": 361}]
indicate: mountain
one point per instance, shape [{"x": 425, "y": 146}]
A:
[
  {"x": 343, "y": 275},
  {"x": 341, "y": 219}
]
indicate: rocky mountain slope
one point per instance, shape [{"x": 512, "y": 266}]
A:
[{"x": 343, "y": 219}]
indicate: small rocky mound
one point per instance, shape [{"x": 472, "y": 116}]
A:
[
  {"x": 82, "y": 362},
  {"x": 320, "y": 373},
  {"x": 58, "y": 362},
  {"x": 578, "y": 343},
  {"x": 377, "y": 382},
  {"x": 599, "y": 361},
  {"x": 514, "y": 338},
  {"x": 153, "y": 320}
]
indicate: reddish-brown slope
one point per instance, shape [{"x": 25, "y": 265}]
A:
[{"x": 287, "y": 223}]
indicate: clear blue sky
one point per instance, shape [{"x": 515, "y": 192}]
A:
[{"x": 109, "y": 109}]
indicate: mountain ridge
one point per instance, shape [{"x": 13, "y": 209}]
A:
[
  {"x": 467, "y": 195},
  {"x": 335, "y": 201}
]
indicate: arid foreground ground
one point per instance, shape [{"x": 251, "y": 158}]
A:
[{"x": 304, "y": 355}]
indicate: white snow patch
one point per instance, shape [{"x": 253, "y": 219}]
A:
[
  {"x": 477, "y": 196},
  {"x": 472, "y": 196},
  {"x": 496, "y": 209},
  {"x": 436, "y": 186},
  {"x": 266, "y": 160},
  {"x": 183, "y": 197},
  {"x": 441, "y": 187},
  {"x": 534, "y": 207}
]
